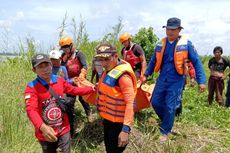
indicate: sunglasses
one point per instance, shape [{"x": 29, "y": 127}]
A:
[
  {"x": 104, "y": 59},
  {"x": 64, "y": 47}
]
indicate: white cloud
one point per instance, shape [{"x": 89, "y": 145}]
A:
[
  {"x": 206, "y": 24},
  {"x": 226, "y": 17},
  {"x": 146, "y": 16},
  {"x": 128, "y": 27},
  {"x": 19, "y": 16},
  {"x": 7, "y": 23}
]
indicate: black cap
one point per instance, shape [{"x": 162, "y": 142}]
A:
[
  {"x": 173, "y": 23},
  {"x": 40, "y": 58}
]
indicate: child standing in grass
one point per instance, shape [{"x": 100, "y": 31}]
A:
[{"x": 52, "y": 127}]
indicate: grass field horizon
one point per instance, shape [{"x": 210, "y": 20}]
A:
[{"x": 202, "y": 128}]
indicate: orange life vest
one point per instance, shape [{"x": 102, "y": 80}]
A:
[
  {"x": 110, "y": 102},
  {"x": 130, "y": 57},
  {"x": 73, "y": 66},
  {"x": 180, "y": 55}
]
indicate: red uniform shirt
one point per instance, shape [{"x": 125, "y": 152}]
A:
[{"x": 41, "y": 106}]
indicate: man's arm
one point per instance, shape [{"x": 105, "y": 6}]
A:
[
  {"x": 82, "y": 60},
  {"x": 150, "y": 68},
  {"x": 141, "y": 54},
  {"x": 72, "y": 90},
  {"x": 32, "y": 108},
  {"x": 143, "y": 66},
  {"x": 194, "y": 58},
  {"x": 127, "y": 89}
]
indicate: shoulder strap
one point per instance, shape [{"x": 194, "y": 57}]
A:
[
  {"x": 77, "y": 52},
  {"x": 50, "y": 90},
  {"x": 60, "y": 102},
  {"x": 132, "y": 46}
]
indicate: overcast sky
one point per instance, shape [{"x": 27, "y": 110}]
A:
[{"x": 205, "y": 22}]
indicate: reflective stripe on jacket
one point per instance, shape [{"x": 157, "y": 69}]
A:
[
  {"x": 180, "y": 55},
  {"x": 110, "y": 102}
]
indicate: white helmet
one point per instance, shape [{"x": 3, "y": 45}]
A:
[{"x": 55, "y": 54}]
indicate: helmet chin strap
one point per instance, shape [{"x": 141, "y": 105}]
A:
[
  {"x": 71, "y": 47},
  {"x": 71, "y": 50}
]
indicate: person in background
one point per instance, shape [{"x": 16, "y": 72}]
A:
[
  {"x": 134, "y": 54},
  {"x": 75, "y": 62},
  {"x": 116, "y": 93},
  {"x": 58, "y": 69},
  {"x": 52, "y": 128},
  {"x": 217, "y": 66},
  {"x": 97, "y": 70},
  {"x": 169, "y": 57},
  {"x": 227, "y": 103}
]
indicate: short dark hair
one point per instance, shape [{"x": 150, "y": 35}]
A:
[{"x": 218, "y": 48}]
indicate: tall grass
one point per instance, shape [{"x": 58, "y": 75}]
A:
[
  {"x": 202, "y": 128},
  {"x": 16, "y": 133}
]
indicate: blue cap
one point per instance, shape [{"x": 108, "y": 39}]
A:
[{"x": 173, "y": 23}]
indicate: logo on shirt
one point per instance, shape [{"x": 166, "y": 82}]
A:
[{"x": 52, "y": 114}]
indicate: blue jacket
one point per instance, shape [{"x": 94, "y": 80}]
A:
[
  {"x": 56, "y": 70},
  {"x": 168, "y": 71}
]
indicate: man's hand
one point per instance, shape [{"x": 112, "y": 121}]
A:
[
  {"x": 192, "y": 82},
  {"x": 76, "y": 81},
  {"x": 201, "y": 88},
  {"x": 123, "y": 139},
  {"x": 48, "y": 133},
  {"x": 225, "y": 76},
  {"x": 83, "y": 73},
  {"x": 143, "y": 79}
]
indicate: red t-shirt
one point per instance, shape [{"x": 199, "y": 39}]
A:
[{"x": 41, "y": 106}]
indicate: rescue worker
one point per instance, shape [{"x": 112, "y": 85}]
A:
[
  {"x": 134, "y": 54},
  {"x": 75, "y": 62},
  {"x": 57, "y": 68},
  {"x": 116, "y": 93},
  {"x": 52, "y": 128},
  {"x": 169, "y": 57},
  {"x": 217, "y": 66},
  {"x": 97, "y": 70}
]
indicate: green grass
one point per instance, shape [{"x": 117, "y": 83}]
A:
[{"x": 202, "y": 128}]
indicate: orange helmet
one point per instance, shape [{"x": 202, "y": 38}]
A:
[
  {"x": 65, "y": 41},
  {"x": 125, "y": 36}
]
